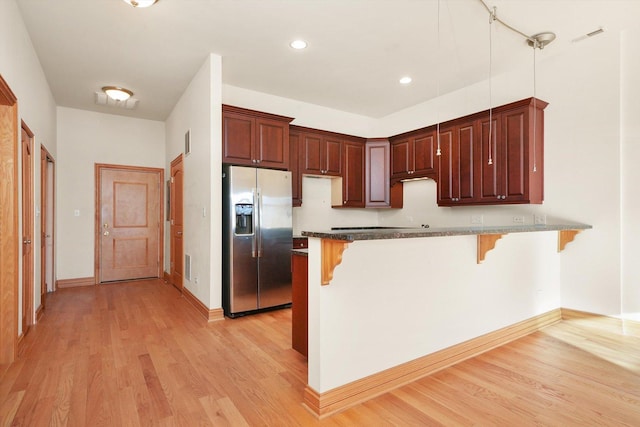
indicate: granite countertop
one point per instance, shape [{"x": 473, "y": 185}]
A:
[
  {"x": 303, "y": 252},
  {"x": 405, "y": 233}
]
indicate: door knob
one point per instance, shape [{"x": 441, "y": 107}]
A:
[
  {"x": 106, "y": 233},
  {"x": 106, "y": 225},
  {"x": 26, "y": 241}
]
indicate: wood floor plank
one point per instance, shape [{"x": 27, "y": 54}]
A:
[
  {"x": 9, "y": 407},
  {"x": 138, "y": 354}
]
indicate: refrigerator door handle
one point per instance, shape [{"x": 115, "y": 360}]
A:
[
  {"x": 259, "y": 220},
  {"x": 254, "y": 239}
]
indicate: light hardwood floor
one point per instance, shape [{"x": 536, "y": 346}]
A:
[{"x": 137, "y": 353}]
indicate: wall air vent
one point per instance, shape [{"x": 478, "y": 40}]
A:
[
  {"x": 589, "y": 34},
  {"x": 101, "y": 98},
  {"x": 187, "y": 267}
]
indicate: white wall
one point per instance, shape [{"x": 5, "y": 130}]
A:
[
  {"x": 630, "y": 179},
  {"x": 392, "y": 301},
  {"x": 317, "y": 214},
  {"x": 304, "y": 114},
  {"x": 199, "y": 110},
  {"x": 21, "y": 69},
  {"x": 84, "y": 139}
]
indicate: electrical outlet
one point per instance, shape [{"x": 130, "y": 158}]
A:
[
  {"x": 476, "y": 219},
  {"x": 518, "y": 219},
  {"x": 539, "y": 219}
]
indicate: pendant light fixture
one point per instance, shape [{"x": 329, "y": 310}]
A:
[{"x": 537, "y": 41}]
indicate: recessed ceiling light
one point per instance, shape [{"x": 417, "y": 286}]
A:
[
  {"x": 117, "y": 93},
  {"x": 405, "y": 80},
  {"x": 298, "y": 44},
  {"x": 141, "y": 3}
]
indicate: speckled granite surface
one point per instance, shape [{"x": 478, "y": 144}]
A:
[
  {"x": 303, "y": 252},
  {"x": 406, "y": 233}
]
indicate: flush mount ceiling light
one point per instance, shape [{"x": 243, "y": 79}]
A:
[
  {"x": 298, "y": 44},
  {"x": 117, "y": 93},
  {"x": 141, "y": 3},
  {"x": 405, "y": 80}
]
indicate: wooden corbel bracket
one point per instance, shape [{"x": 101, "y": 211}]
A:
[
  {"x": 486, "y": 242},
  {"x": 566, "y": 236},
  {"x": 331, "y": 256}
]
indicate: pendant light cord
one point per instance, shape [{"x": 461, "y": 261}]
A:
[
  {"x": 535, "y": 122},
  {"x": 438, "y": 151},
  {"x": 489, "y": 137}
]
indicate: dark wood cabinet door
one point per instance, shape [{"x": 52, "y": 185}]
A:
[
  {"x": 238, "y": 139},
  {"x": 456, "y": 172},
  {"x": 401, "y": 158},
  {"x": 446, "y": 167},
  {"x": 377, "y": 164},
  {"x": 353, "y": 178},
  {"x": 515, "y": 163},
  {"x": 311, "y": 154},
  {"x": 294, "y": 167},
  {"x": 299, "y": 303},
  {"x": 464, "y": 179},
  {"x": 423, "y": 154},
  {"x": 332, "y": 156},
  {"x": 272, "y": 144},
  {"x": 491, "y": 161}
]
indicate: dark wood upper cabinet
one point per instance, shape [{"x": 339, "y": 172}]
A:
[
  {"x": 321, "y": 154},
  {"x": 505, "y": 166},
  {"x": 457, "y": 164},
  {"x": 253, "y": 138},
  {"x": 377, "y": 173},
  {"x": 486, "y": 158},
  {"x": 413, "y": 155},
  {"x": 353, "y": 188}
]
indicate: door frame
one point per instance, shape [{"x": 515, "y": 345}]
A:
[
  {"x": 98, "y": 209},
  {"x": 178, "y": 161},
  {"x": 47, "y": 215},
  {"x": 9, "y": 235},
  {"x": 28, "y": 235}
]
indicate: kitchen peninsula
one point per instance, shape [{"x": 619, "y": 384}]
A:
[{"x": 404, "y": 302}]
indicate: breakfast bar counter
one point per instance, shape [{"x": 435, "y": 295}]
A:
[
  {"x": 378, "y": 233},
  {"x": 401, "y": 303}
]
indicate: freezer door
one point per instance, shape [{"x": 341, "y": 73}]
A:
[
  {"x": 240, "y": 249},
  {"x": 276, "y": 236}
]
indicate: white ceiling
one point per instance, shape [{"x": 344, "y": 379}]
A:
[{"x": 358, "y": 49}]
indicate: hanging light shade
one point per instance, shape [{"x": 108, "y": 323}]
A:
[
  {"x": 117, "y": 93},
  {"x": 141, "y": 3}
]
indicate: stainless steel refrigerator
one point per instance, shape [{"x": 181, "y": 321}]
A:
[{"x": 257, "y": 240}]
